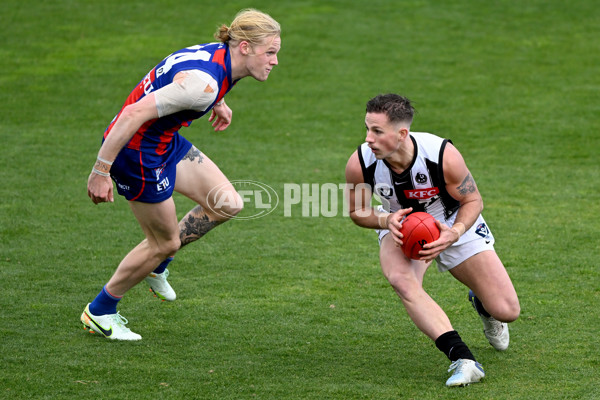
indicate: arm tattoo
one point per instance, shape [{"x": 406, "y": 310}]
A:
[
  {"x": 467, "y": 186},
  {"x": 193, "y": 154}
]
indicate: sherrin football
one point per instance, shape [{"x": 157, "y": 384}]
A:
[{"x": 418, "y": 229}]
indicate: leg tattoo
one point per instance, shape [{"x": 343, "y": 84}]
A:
[
  {"x": 193, "y": 154},
  {"x": 195, "y": 225}
]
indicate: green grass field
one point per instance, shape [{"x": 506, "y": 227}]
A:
[{"x": 293, "y": 307}]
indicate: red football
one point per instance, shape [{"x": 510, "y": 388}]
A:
[{"x": 418, "y": 229}]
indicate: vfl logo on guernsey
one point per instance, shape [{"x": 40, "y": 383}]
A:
[{"x": 422, "y": 194}]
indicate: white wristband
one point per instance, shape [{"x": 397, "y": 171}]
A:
[
  {"x": 104, "y": 161},
  {"x": 385, "y": 220},
  {"x": 459, "y": 228},
  {"x": 94, "y": 170}
]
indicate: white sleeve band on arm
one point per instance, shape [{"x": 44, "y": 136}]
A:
[{"x": 189, "y": 94}]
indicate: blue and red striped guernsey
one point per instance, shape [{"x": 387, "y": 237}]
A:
[{"x": 155, "y": 136}]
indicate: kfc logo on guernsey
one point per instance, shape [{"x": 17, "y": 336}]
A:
[{"x": 422, "y": 194}]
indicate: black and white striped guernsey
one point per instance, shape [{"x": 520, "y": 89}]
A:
[{"x": 421, "y": 186}]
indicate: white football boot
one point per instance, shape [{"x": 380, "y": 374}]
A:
[
  {"x": 465, "y": 372},
  {"x": 111, "y": 326},
  {"x": 160, "y": 287},
  {"x": 495, "y": 331}
]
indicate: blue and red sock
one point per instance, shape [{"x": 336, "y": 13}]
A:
[{"x": 104, "y": 303}]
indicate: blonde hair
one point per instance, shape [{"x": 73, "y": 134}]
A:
[{"x": 251, "y": 25}]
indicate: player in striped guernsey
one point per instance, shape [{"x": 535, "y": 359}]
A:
[
  {"x": 147, "y": 158},
  {"x": 416, "y": 171}
]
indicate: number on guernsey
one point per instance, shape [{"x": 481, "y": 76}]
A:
[{"x": 181, "y": 57}]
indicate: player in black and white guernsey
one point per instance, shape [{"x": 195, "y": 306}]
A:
[{"x": 416, "y": 171}]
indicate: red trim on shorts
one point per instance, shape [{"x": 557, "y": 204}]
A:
[{"x": 143, "y": 179}]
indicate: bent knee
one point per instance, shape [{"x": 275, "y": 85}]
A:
[
  {"x": 508, "y": 311},
  {"x": 513, "y": 313},
  {"x": 236, "y": 208},
  {"x": 168, "y": 248},
  {"x": 405, "y": 288},
  {"x": 229, "y": 204}
]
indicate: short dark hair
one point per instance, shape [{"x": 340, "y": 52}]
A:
[{"x": 396, "y": 107}]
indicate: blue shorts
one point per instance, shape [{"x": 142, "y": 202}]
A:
[{"x": 148, "y": 178}]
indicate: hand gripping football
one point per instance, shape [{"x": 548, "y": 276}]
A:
[{"x": 418, "y": 229}]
